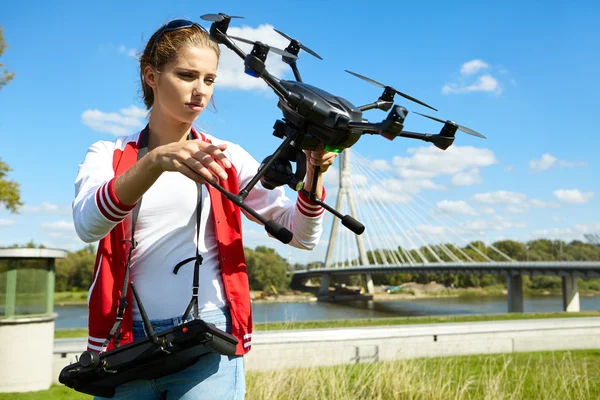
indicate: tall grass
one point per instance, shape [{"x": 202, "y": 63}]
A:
[
  {"x": 564, "y": 375},
  {"x": 512, "y": 376}
]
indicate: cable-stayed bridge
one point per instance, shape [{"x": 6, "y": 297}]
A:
[{"x": 405, "y": 233}]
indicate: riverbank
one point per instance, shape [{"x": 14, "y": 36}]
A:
[
  {"x": 407, "y": 291},
  {"x": 391, "y": 321}
]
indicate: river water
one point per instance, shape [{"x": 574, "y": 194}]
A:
[{"x": 76, "y": 316}]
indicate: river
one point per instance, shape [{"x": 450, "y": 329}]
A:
[{"x": 76, "y": 316}]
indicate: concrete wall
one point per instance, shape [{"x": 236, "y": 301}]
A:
[
  {"x": 26, "y": 357},
  {"x": 321, "y": 347},
  {"x": 344, "y": 346}
]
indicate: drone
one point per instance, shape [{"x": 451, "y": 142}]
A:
[{"x": 312, "y": 119}]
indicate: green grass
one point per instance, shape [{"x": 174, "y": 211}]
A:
[
  {"x": 353, "y": 323},
  {"x": 547, "y": 375},
  {"x": 61, "y": 298},
  {"x": 561, "y": 375},
  {"x": 56, "y": 392}
]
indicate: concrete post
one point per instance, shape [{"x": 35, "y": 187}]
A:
[
  {"x": 368, "y": 283},
  {"x": 325, "y": 282},
  {"x": 570, "y": 294},
  {"x": 515, "y": 293}
]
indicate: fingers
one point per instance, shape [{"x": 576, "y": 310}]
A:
[
  {"x": 204, "y": 160},
  {"x": 321, "y": 159}
]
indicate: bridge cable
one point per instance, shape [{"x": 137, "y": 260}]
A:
[{"x": 368, "y": 195}]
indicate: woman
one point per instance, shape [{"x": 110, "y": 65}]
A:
[{"x": 178, "y": 70}]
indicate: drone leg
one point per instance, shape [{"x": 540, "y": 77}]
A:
[
  {"x": 272, "y": 227},
  {"x": 244, "y": 192},
  {"x": 347, "y": 220}
]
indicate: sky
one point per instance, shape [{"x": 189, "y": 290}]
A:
[{"x": 524, "y": 74}]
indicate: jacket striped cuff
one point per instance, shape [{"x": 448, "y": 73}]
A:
[
  {"x": 95, "y": 344},
  {"x": 108, "y": 203},
  {"x": 307, "y": 207}
]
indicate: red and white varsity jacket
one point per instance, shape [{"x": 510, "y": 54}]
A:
[{"x": 97, "y": 207}]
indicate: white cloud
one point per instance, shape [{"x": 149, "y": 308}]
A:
[
  {"x": 431, "y": 230},
  {"x": 122, "y": 123},
  {"x": 488, "y": 210},
  {"x": 542, "y": 164},
  {"x": 128, "y": 52},
  {"x": 230, "y": 73},
  {"x": 429, "y": 162},
  {"x": 496, "y": 223},
  {"x": 42, "y": 208},
  {"x": 459, "y": 207},
  {"x": 573, "y": 196},
  {"x": 381, "y": 165},
  {"x": 535, "y": 203},
  {"x": 485, "y": 83},
  {"x": 390, "y": 190},
  {"x": 557, "y": 219},
  {"x": 472, "y": 67},
  {"x": 358, "y": 180},
  {"x": 513, "y": 209},
  {"x": 571, "y": 164},
  {"x": 62, "y": 226},
  {"x": 547, "y": 161},
  {"x": 467, "y": 178},
  {"x": 500, "y": 197},
  {"x": 6, "y": 222},
  {"x": 574, "y": 232},
  {"x": 331, "y": 177},
  {"x": 47, "y": 208}
]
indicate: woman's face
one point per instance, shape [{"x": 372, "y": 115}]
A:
[{"x": 185, "y": 86}]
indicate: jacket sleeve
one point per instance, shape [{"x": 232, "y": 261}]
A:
[
  {"x": 302, "y": 217},
  {"x": 96, "y": 208}
]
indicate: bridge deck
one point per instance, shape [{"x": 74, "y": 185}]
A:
[{"x": 560, "y": 268}]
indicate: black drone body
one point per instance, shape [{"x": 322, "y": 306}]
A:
[
  {"x": 320, "y": 116},
  {"x": 314, "y": 119}
]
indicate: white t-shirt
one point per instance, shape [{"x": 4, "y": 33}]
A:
[{"x": 165, "y": 230}]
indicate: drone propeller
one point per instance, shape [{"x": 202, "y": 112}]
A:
[
  {"x": 391, "y": 88},
  {"x": 217, "y": 17},
  {"x": 303, "y": 47},
  {"x": 273, "y": 49},
  {"x": 462, "y": 128}
]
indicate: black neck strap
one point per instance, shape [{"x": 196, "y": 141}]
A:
[{"x": 115, "y": 331}]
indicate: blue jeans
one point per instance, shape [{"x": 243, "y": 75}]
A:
[{"x": 214, "y": 376}]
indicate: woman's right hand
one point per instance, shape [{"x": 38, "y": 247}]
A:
[{"x": 195, "y": 159}]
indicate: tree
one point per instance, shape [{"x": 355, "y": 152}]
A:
[
  {"x": 266, "y": 268},
  {"x": 6, "y": 76},
  {"x": 10, "y": 195},
  {"x": 75, "y": 272}
]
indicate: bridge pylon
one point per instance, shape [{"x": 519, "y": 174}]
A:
[{"x": 345, "y": 191}]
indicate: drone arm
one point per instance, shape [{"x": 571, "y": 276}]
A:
[
  {"x": 414, "y": 135},
  {"x": 439, "y": 141},
  {"x": 220, "y": 37},
  {"x": 295, "y": 71},
  {"x": 380, "y": 104},
  {"x": 365, "y": 127},
  {"x": 273, "y": 82},
  {"x": 263, "y": 170}
]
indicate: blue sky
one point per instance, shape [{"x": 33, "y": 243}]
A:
[{"x": 523, "y": 74}]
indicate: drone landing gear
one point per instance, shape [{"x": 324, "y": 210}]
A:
[
  {"x": 276, "y": 170},
  {"x": 347, "y": 220}
]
